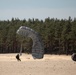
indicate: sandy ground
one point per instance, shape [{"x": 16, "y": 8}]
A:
[{"x": 49, "y": 65}]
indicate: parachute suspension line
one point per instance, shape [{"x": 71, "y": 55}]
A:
[
  {"x": 18, "y": 55},
  {"x": 21, "y": 50}
]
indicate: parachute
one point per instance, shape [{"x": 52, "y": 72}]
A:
[
  {"x": 73, "y": 56},
  {"x": 38, "y": 46}
]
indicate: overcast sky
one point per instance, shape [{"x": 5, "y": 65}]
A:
[{"x": 41, "y": 9}]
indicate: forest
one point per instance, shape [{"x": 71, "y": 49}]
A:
[{"x": 58, "y": 35}]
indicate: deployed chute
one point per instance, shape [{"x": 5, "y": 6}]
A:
[
  {"x": 74, "y": 56},
  {"x": 37, "y": 47}
]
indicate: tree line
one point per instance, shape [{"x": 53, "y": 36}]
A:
[{"x": 59, "y": 36}]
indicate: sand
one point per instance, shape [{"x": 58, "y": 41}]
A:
[{"x": 49, "y": 65}]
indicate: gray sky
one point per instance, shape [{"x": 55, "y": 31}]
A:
[{"x": 41, "y": 9}]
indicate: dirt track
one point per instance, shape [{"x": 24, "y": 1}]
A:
[{"x": 49, "y": 65}]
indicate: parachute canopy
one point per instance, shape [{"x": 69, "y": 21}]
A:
[
  {"x": 74, "y": 56},
  {"x": 38, "y": 46}
]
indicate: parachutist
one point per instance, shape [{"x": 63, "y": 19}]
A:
[{"x": 17, "y": 57}]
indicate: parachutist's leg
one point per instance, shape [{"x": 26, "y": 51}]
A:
[{"x": 17, "y": 57}]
